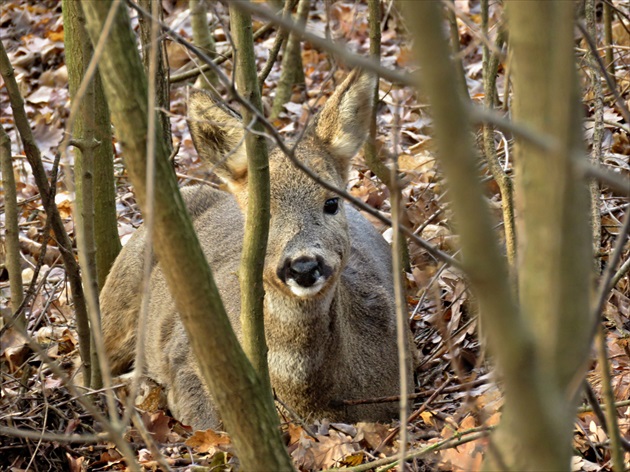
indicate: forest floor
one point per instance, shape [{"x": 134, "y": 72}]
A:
[{"x": 456, "y": 402}]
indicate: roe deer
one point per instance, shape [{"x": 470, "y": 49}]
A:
[{"x": 329, "y": 303}]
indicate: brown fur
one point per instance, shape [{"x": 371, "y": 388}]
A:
[{"x": 330, "y": 338}]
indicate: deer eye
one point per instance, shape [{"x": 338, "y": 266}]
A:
[{"x": 331, "y": 207}]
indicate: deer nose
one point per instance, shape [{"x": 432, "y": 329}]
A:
[{"x": 305, "y": 271}]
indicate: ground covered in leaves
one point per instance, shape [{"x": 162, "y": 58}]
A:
[{"x": 456, "y": 402}]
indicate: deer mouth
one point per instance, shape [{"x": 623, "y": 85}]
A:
[
  {"x": 304, "y": 292},
  {"x": 305, "y": 276}
]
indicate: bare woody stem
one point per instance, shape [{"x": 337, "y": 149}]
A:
[
  {"x": 257, "y": 217},
  {"x": 490, "y": 68},
  {"x": 34, "y": 158},
  {"x": 11, "y": 231}
]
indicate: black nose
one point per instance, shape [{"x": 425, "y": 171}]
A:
[{"x": 304, "y": 270}]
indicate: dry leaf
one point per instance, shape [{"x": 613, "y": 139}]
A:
[{"x": 208, "y": 441}]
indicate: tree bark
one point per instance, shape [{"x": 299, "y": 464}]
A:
[
  {"x": 503, "y": 180},
  {"x": 94, "y": 119},
  {"x": 162, "y": 88},
  {"x": 369, "y": 150},
  {"x": 598, "y": 126},
  {"x": 202, "y": 37},
  {"x": 11, "y": 230},
  {"x": 258, "y": 190},
  {"x": 292, "y": 69},
  {"x": 94, "y": 164},
  {"x": 455, "y": 48},
  {"x": 608, "y": 40},
  {"x": 233, "y": 383},
  {"x": 555, "y": 245},
  {"x": 539, "y": 349}
]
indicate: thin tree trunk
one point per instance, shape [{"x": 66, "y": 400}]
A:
[
  {"x": 455, "y": 47},
  {"x": 94, "y": 167},
  {"x": 34, "y": 158},
  {"x": 540, "y": 353},
  {"x": 369, "y": 150},
  {"x": 258, "y": 189},
  {"x": 399, "y": 251},
  {"x": 11, "y": 230},
  {"x": 92, "y": 131},
  {"x": 202, "y": 37},
  {"x": 490, "y": 67},
  {"x": 162, "y": 89},
  {"x": 598, "y": 126},
  {"x": 555, "y": 244},
  {"x": 608, "y": 40},
  {"x": 246, "y": 411},
  {"x": 292, "y": 69},
  {"x": 370, "y": 153}
]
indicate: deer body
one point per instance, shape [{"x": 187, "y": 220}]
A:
[{"x": 329, "y": 305}]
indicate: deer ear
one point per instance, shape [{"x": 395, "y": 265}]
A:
[
  {"x": 343, "y": 123},
  {"x": 217, "y": 133}
]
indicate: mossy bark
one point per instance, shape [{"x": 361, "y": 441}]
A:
[{"x": 93, "y": 164}]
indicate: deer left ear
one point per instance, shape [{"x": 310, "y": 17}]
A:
[{"x": 343, "y": 123}]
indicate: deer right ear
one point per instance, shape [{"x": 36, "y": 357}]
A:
[
  {"x": 218, "y": 135},
  {"x": 343, "y": 123}
]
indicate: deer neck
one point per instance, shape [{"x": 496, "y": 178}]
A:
[{"x": 302, "y": 336}]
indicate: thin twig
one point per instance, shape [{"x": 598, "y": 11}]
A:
[
  {"x": 609, "y": 399},
  {"x": 600, "y": 412},
  {"x": 415, "y": 415},
  {"x": 33, "y": 155},
  {"x": 148, "y": 439},
  {"x": 459, "y": 438},
  {"x": 619, "y": 101},
  {"x": 277, "y": 44},
  {"x": 349, "y": 58},
  {"x": 191, "y": 74},
  {"x": 605, "y": 284},
  {"x": 623, "y": 270},
  {"x": 113, "y": 432},
  {"x": 615, "y": 181},
  {"x": 414, "y": 396},
  {"x": 58, "y": 437}
]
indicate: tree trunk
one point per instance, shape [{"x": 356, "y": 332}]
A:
[
  {"x": 541, "y": 348},
  {"x": 93, "y": 164},
  {"x": 162, "y": 88},
  {"x": 258, "y": 189},
  {"x": 292, "y": 69},
  {"x": 234, "y": 385},
  {"x": 503, "y": 180},
  {"x": 202, "y": 37},
  {"x": 11, "y": 230},
  {"x": 555, "y": 240}
]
